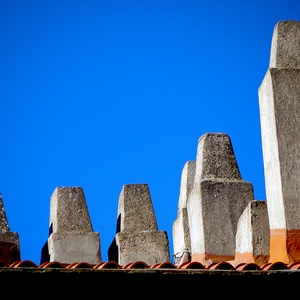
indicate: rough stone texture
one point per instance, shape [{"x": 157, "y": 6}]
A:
[
  {"x": 150, "y": 247},
  {"x": 9, "y": 241},
  {"x": 135, "y": 209},
  {"x": 279, "y": 110},
  {"x": 137, "y": 237},
  {"x": 253, "y": 234},
  {"x": 279, "y": 102},
  {"x": 215, "y": 158},
  {"x": 186, "y": 183},
  {"x": 180, "y": 228},
  {"x": 68, "y": 210},
  {"x": 217, "y": 200},
  {"x": 4, "y": 227},
  {"x": 71, "y": 237},
  {"x": 75, "y": 247},
  {"x": 285, "y": 47}
]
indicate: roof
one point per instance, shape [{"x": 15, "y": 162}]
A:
[
  {"x": 135, "y": 242},
  {"x": 194, "y": 265},
  {"x": 136, "y": 279}
]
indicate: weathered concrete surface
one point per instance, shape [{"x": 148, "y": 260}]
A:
[
  {"x": 217, "y": 200},
  {"x": 9, "y": 241},
  {"x": 253, "y": 234},
  {"x": 137, "y": 237},
  {"x": 279, "y": 102},
  {"x": 180, "y": 228},
  {"x": 285, "y": 46},
  {"x": 72, "y": 238}
]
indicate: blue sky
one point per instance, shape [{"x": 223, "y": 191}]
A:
[{"x": 99, "y": 94}]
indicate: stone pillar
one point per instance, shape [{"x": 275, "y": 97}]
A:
[
  {"x": 138, "y": 237},
  {"x": 279, "y": 102},
  {"x": 9, "y": 241},
  {"x": 180, "y": 228},
  {"x": 72, "y": 238},
  {"x": 253, "y": 234},
  {"x": 217, "y": 200}
]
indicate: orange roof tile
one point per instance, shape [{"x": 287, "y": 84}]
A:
[{"x": 142, "y": 265}]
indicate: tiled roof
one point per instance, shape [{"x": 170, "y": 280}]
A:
[
  {"x": 137, "y": 280},
  {"x": 166, "y": 265}
]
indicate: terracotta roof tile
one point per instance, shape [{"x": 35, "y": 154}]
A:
[
  {"x": 194, "y": 265},
  {"x": 136, "y": 265},
  {"x": 247, "y": 266},
  {"x": 24, "y": 264},
  {"x": 107, "y": 265},
  {"x": 294, "y": 266},
  {"x": 165, "y": 265},
  {"x": 275, "y": 266},
  {"x": 52, "y": 264},
  {"x": 78, "y": 265},
  {"x": 191, "y": 265},
  {"x": 221, "y": 266}
]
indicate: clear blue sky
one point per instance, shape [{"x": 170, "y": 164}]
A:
[{"x": 99, "y": 94}]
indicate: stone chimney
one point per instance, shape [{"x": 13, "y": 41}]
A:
[
  {"x": 279, "y": 103},
  {"x": 217, "y": 200},
  {"x": 253, "y": 234},
  {"x": 180, "y": 229},
  {"x": 137, "y": 236},
  {"x": 9, "y": 241},
  {"x": 71, "y": 236}
]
